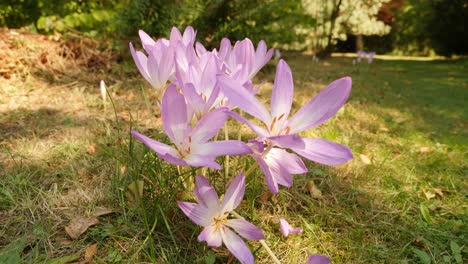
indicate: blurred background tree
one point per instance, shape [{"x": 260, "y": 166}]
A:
[{"x": 418, "y": 27}]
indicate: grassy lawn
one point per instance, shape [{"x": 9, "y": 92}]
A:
[{"x": 66, "y": 155}]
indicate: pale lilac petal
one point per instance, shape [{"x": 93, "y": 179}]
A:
[
  {"x": 270, "y": 180},
  {"x": 237, "y": 246},
  {"x": 288, "y": 141},
  {"x": 291, "y": 161},
  {"x": 199, "y": 214},
  {"x": 141, "y": 62},
  {"x": 166, "y": 65},
  {"x": 146, "y": 41},
  {"x": 205, "y": 192},
  {"x": 196, "y": 160},
  {"x": 234, "y": 193},
  {"x": 209, "y": 125},
  {"x": 193, "y": 98},
  {"x": 200, "y": 49},
  {"x": 261, "y": 132},
  {"x": 241, "y": 97},
  {"x": 211, "y": 236},
  {"x": 175, "y": 36},
  {"x": 246, "y": 229},
  {"x": 224, "y": 48},
  {"x": 153, "y": 71},
  {"x": 174, "y": 160},
  {"x": 287, "y": 229},
  {"x": 279, "y": 171},
  {"x": 318, "y": 259},
  {"x": 222, "y": 148},
  {"x": 325, "y": 152},
  {"x": 322, "y": 107},
  {"x": 174, "y": 114},
  {"x": 158, "y": 147},
  {"x": 283, "y": 91},
  {"x": 189, "y": 36}
]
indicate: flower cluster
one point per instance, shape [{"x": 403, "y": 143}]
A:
[
  {"x": 200, "y": 90},
  {"x": 362, "y": 55}
]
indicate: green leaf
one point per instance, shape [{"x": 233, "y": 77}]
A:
[
  {"x": 11, "y": 254},
  {"x": 424, "y": 258},
  {"x": 425, "y": 213},
  {"x": 210, "y": 258},
  {"x": 64, "y": 260},
  {"x": 456, "y": 252}
]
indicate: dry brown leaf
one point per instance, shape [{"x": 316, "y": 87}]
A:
[
  {"x": 91, "y": 149},
  {"x": 314, "y": 191},
  {"x": 135, "y": 191},
  {"x": 79, "y": 225},
  {"x": 100, "y": 211},
  {"x": 265, "y": 197},
  {"x": 439, "y": 191},
  {"x": 424, "y": 150},
  {"x": 429, "y": 195},
  {"x": 90, "y": 251},
  {"x": 366, "y": 160},
  {"x": 361, "y": 199}
]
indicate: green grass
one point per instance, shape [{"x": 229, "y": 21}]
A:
[{"x": 408, "y": 117}]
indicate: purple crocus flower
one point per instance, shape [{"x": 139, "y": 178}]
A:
[
  {"x": 318, "y": 259},
  {"x": 287, "y": 229},
  {"x": 282, "y": 131},
  {"x": 244, "y": 57},
  {"x": 191, "y": 145},
  {"x": 213, "y": 215}
]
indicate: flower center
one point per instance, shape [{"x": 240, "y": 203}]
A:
[{"x": 219, "y": 222}]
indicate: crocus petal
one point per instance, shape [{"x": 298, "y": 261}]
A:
[
  {"x": 211, "y": 235},
  {"x": 246, "y": 229},
  {"x": 322, "y": 107},
  {"x": 224, "y": 48},
  {"x": 270, "y": 180},
  {"x": 325, "y": 152},
  {"x": 200, "y": 49},
  {"x": 205, "y": 192},
  {"x": 291, "y": 161},
  {"x": 174, "y": 160},
  {"x": 287, "y": 229},
  {"x": 174, "y": 114},
  {"x": 221, "y": 148},
  {"x": 175, "y": 36},
  {"x": 318, "y": 259},
  {"x": 279, "y": 171},
  {"x": 199, "y": 214},
  {"x": 189, "y": 36},
  {"x": 141, "y": 62},
  {"x": 209, "y": 125},
  {"x": 288, "y": 141},
  {"x": 156, "y": 146},
  {"x": 234, "y": 193},
  {"x": 237, "y": 247},
  {"x": 242, "y": 98},
  {"x": 202, "y": 161},
  {"x": 193, "y": 98},
  {"x": 146, "y": 40},
  {"x": 283, "y": 91},
  {"x": 261, "y": 132}
]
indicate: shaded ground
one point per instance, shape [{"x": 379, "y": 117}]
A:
[{"x": 65, "y": 154}]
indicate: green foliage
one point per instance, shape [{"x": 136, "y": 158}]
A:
[{"x": 424, "y": 25}]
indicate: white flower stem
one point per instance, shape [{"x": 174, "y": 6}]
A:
[{"x": 262, "y": 242}]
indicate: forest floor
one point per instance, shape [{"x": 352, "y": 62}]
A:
[{"x": 74, "y": 186}]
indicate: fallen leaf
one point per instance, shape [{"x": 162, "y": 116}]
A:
[
  {"x": 79, "y": 225},
  {"x": 439, "y": 191},
  {"x": 429, "y": 195},
  {"x": 361, "y": 199},
  {"x": 135, "y": 191},
  {"x": 313, "y": 190},
  {"x": 365, "y": 159},
  {"x": 424, "y": 150},
  {"x": 265, "y": 197},
  {"x": 100, "y": 211},
  {"x": 91, "y": 149},
  {"x": 90, "y": 251}
]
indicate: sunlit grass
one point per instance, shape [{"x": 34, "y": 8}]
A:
[{"x": 407, "y": 117}]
